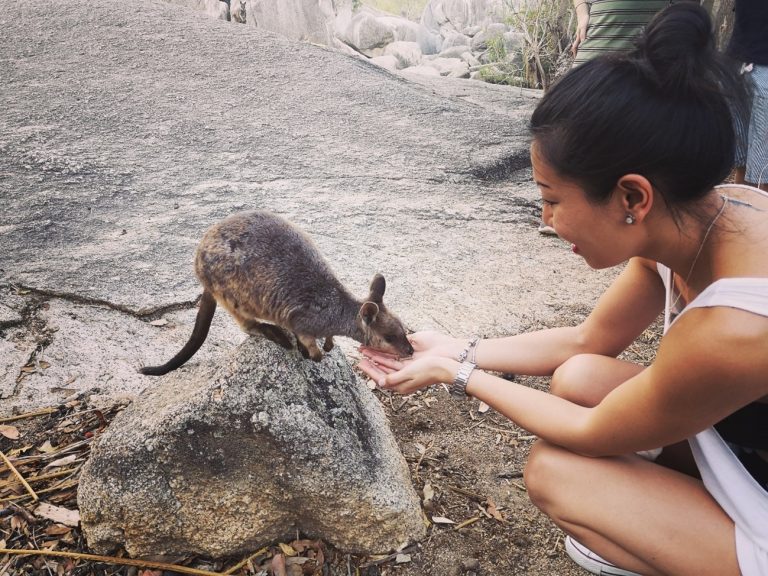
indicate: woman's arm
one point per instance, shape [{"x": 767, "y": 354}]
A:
[{"x": 711, "y": 363}]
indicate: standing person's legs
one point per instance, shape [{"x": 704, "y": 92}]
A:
[{"x": 756, "y": 172}]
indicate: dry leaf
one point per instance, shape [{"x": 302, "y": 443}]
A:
[
  {"x": 428, "y": 492},
  {"x": 43, "y": 364},
  {"x": 57, "y": 530},
  {"x": 161, "y": 322},
  {"x": 287, "y": 550},
  {"x": 9, "y": 432},
  {"x": 493, "y": 511},
  {"x": 278, "y": 565},
  {"x": 46, "y": 447},
  {"x": 483, "y": 407},
  {"x": 58, "y": 514},
  {"x": 296, "y": 561},
  {"x": 402, "y": 558},
  {"x": 442, "y": 520}
]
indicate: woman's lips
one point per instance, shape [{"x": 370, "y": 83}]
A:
[{"x": 574, "y": 249}]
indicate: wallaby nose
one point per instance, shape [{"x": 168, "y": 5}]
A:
[{"x": 409, "y": 348}]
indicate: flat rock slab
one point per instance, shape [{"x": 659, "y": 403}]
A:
[{"x": 128, "y": 127}]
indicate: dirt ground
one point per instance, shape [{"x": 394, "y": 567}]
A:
[{"x": 466, "y": 463}]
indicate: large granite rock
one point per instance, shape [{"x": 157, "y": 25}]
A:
[{"x": 219, "y": 461}]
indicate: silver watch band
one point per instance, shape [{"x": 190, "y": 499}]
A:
[{"x": 459, "y": 387}]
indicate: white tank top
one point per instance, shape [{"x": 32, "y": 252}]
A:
[{"x": 724, "y": 476}]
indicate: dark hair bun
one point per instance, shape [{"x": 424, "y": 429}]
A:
[{"x": 678, "y": 45}]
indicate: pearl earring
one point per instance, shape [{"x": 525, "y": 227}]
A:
[{"x": 630, "y": 219}]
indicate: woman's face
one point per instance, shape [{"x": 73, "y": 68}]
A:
[{"x": 594, "y": 230}]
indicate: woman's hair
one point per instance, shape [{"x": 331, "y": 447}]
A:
[{"x": 663, "y": 110}]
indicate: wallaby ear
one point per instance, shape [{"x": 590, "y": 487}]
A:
[
  {"x": 368, "y": 312},
  {"x": 378, "y": 285}
]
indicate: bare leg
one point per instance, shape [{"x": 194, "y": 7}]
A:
[
  {"x": 586, "y": 379},
  {"x": 636, "y": 514},
  {"x": 640, "y": 515}
]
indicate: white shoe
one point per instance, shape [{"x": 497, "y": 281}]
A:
[{"x": 591, "y": 562}]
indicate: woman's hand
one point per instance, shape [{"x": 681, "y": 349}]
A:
[
  {"x": 407, "y": 375},
  {"x": 432, "y": 343}
]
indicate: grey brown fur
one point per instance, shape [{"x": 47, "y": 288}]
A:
[{"x": 271, "y": 278}]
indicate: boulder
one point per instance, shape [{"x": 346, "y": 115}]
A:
[
  {"x": 388, "y": 62},
  {"x": 491, "y": 32},
  {"x": 308, "y": 20},
  {"x": 454, "y": 39},
  {"x": 366, "y": 32},
  {"x": 422, "y": 70},
  {"x": 402, "y": 29},
  {"x": 221, "y": 460},
  {"x": 454, "y": 67},
  {"x": 407, "y": 53}
]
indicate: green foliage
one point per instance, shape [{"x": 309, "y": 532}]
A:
[
  {"x": 545, "y": 28},
  {"x": 497, "y": 51}
]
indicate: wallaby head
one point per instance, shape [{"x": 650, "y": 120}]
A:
[{"x": 382, "y": 329}]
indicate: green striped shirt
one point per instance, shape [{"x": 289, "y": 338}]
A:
[{"x": 614, "y": 25}]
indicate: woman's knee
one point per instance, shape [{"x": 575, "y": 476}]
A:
[
  {"x": 544, "y": 474},
  {"x": 586, "y": 379},
  {"x": 571, "y": 380}
]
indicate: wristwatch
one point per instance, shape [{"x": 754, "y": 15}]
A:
[{"x": 459, "y": 387}]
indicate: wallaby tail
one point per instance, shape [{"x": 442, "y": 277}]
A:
[{"x": 199, "y": 333}]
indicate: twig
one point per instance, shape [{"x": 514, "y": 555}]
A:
[
  {"x": 245, "y": 561},
  {"x": 467, "y": 523},
  {"x": 12, "y": 468},
  {"x": 61, "y": 486},
  {"x": 466, "y": 493},
  {"x": 421, "y": 459},
  {"x": 113, "y": 560},
  {"x": 29, "y": 415},
  {"x": 40, "y": 478},
  {"x": 384, "y": 559}
]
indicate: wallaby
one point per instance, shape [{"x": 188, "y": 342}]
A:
[{"x": 271, "y": 278}]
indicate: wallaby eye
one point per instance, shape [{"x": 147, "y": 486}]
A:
[{"x": 389, "y": 339}]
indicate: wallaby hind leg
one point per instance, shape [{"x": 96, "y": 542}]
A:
[
  {"x": 270, "y": 331},
  {"x": 310, "y": 344},
  {"x": 328, "y": 344}
]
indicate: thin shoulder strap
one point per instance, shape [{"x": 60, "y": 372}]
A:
[{"x": 669, "y": 283}]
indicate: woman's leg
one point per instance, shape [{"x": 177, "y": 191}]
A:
[
  {"x": 585, "y": 379},
  {"x": 636, "y": 514}
]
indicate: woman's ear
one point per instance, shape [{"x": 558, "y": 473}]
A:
[{"x": 636, "y": 194}]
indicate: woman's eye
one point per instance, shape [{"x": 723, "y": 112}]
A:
[{"x": 548, "y": 202}]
